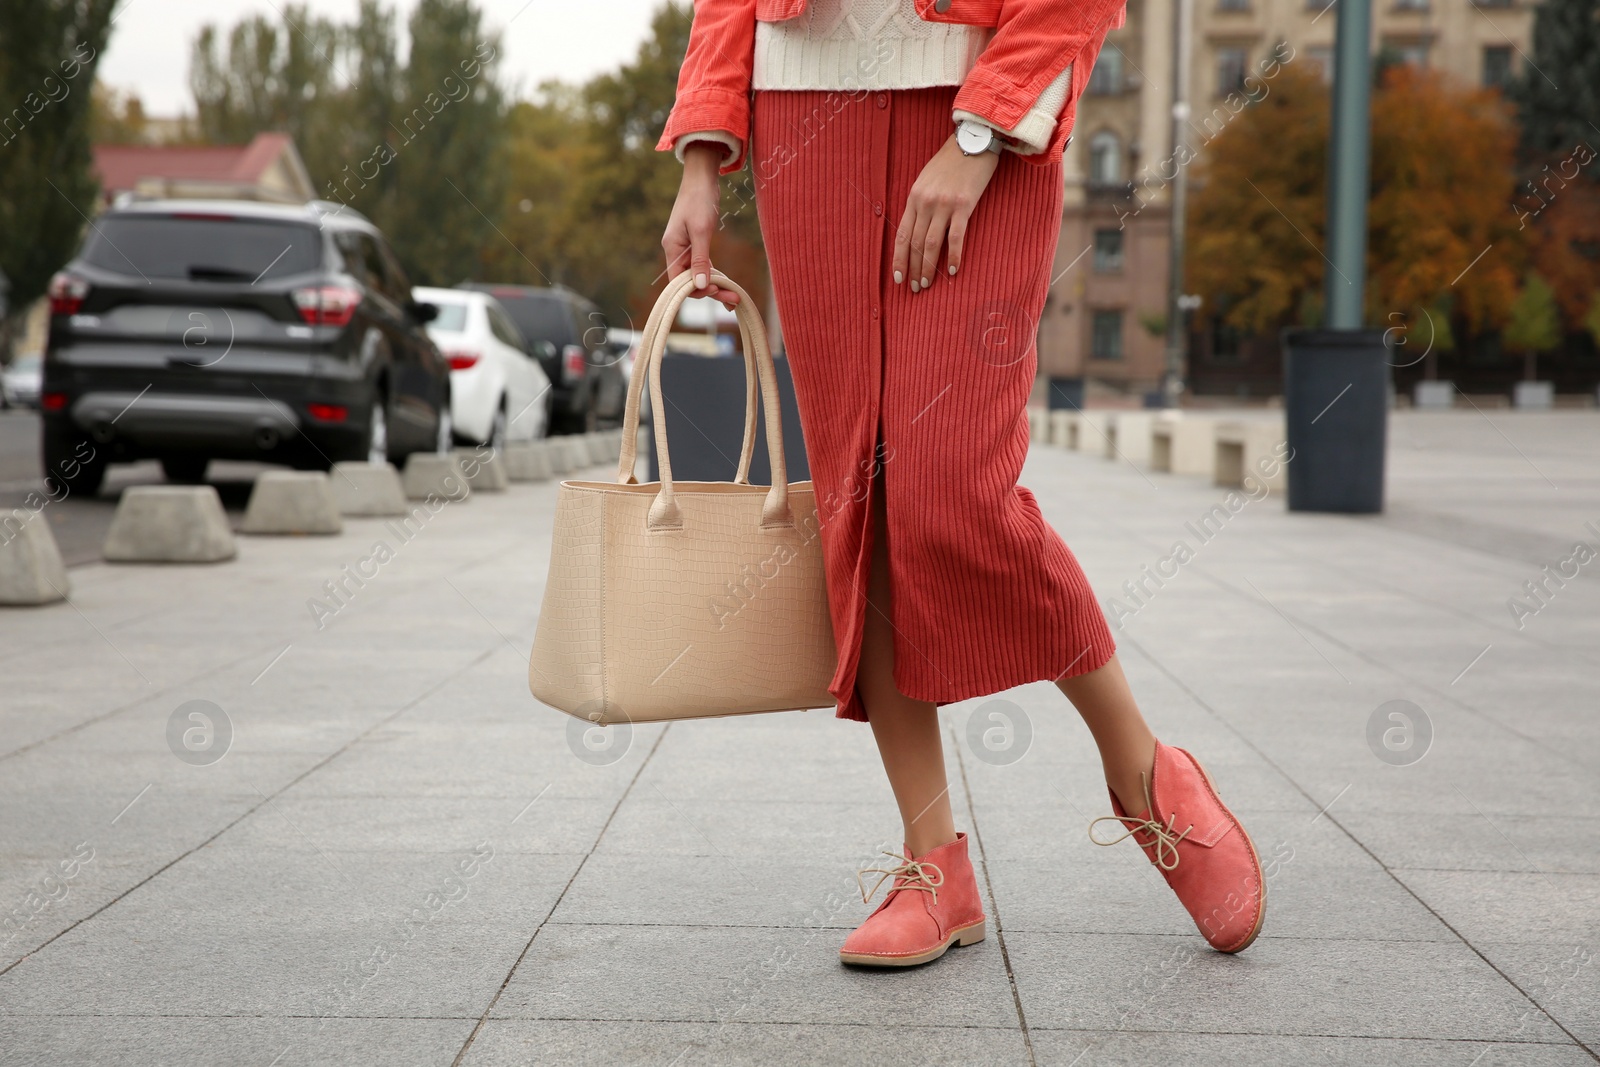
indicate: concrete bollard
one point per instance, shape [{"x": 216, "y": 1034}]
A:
[
  {"x": 292, "y": 502},
  {"x": 600, "y": 450},
  {"x": 1183, "y": 444},
  {"x": 577, "y": 451},
  {"x": 1038, "y": 425},
  {"x": 429, "y": 474},
  {"x": 1128, "y": 436},
  {"x": 1250, "y": 454},
  {"x": 528, "y": 461},
  {"x": 31, "y": 571},
  {"x": 1092, "y": 432},
  {"x": 367, "y": 490},
  {"x": 485, "y": 470},
  {"x": 560, "y": 458},
  {"x": 169, "y": 524},
  {"x": 1062, "y": 428}
]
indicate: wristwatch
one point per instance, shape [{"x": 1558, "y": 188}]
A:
[{"x": 976, "y": 138}]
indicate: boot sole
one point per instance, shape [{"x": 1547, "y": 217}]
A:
[
  {"x": 1261, "y": 906},
  {"x": 970, "y": 934}
]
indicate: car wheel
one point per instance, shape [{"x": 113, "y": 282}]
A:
[
  {"x": 72, "y": 463},
  {"x": 497, "y": 429},
  {"x": 185, "y": 470},
  {"x": 378, "y": 432},
  {"x": 447, "y": 433}
]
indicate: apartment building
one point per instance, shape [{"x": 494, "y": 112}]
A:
[{"x": 1104, "y": 322}]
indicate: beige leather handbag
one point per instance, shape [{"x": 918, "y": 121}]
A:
[{"x": 686, "y": 600}]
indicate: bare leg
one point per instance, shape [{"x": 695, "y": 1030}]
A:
[
  {"x": 1127, "y": 747},
  {"x": 907, "y": 731}
]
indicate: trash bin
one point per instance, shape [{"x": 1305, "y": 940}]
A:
[
  {"x": 705, "y": 421},
  {"x": 1065, "y": 394},
  {"x": 1335, "y": 398}
]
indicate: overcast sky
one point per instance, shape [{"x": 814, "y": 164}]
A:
[{"x": 149, "y": 50}]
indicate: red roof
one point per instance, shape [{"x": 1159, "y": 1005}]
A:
[{"x": 120, "y": 166}]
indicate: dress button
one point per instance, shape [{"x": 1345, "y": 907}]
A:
[
  {"x": 883, "y": 99},
  {"x": 877, "y": 207},
  {"x": 941, "y": 6},
  {"x": 874, "y": 310}
]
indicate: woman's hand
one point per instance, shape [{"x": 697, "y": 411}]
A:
[
  {"x": 937, "y": 210},
  {"x": 687, "y": 242}
]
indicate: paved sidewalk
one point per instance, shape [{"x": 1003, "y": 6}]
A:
[{"x": 402, "y": 859}]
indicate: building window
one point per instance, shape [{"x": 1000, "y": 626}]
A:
[
  {"x": 1107, "y": 251},
  {"x": 1105, "y": 158},
  {"x": 1411, "y": 53},
  {"x": 1233, "y": 5},
  {"x": 1106, "y": 78},
  {"x": 1107, "y": 340},
  {"x": 1232, "y": 66},
  {"x": 1496, "y": 65},
  {"x": 1321, "y": 58},
  {"x": 1224, "y": 344},
  {"x": 1318, "y": 5},
  {"x": 1411, "y": 5}
]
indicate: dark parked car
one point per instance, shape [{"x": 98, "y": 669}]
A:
[
  {"x": 188, "y": 331},
  {"x": 567, "y": 334}
]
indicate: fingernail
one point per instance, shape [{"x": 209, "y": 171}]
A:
[
  {"x": 924, "y": 283},
  {"x": 898, "y": 277},
  {"x": 952, "y": 268},
  {"x": 913, "y": 285},
  {"x": 700, "y": 281}
]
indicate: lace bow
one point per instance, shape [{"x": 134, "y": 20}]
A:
[
  {"x": 1162, "y": 835},
  {"x": 915, "y": 873}
]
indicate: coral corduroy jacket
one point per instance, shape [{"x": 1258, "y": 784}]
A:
[{"x": 1033, "y": 42}]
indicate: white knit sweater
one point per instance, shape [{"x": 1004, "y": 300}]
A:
[{"x": 851, "y": 45}]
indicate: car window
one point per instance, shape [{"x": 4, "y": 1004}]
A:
[
  {"x": 452, "y": 315},
  {"x": 395, "y": 276},
  {"x": 504, "y": 329},
  {"x": 539, "y": 316},
  {"x": 203, "y": 247}
]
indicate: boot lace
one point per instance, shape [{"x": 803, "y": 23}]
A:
[
  {"x": 1162, "y": 834},
  {"x": 924, "y": 877}
]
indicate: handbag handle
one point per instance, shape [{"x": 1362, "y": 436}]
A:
[
  {"x": 630, "y": 434},
  {"x": 664, "y": 512}
]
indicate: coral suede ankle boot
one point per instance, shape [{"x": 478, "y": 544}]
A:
[
  {"x": 1200, "y": 848},
  {"x": 934, "y": 904}
]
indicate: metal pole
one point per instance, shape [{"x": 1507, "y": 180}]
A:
[
  {"x": 1172, "y": 385},
  {"x": 1348, "y": 166}
]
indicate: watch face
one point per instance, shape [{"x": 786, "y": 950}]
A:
[{"x": 972, "y": 137}]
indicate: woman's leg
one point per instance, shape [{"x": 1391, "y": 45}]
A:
[
  {"x": 907, "y": 731},
  {"x": 1127, "y": 747}
]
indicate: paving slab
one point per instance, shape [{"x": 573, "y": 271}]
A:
[{"x": 681, "y": 891}]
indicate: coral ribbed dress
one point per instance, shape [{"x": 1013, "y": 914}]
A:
[{"x": 985, "y": 594}]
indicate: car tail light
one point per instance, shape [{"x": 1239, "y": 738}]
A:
[
  {"x": 327, "y": 305},
  {"x": 66, "y": 293},
  {"x": 462, "y": 358},
  {"x": 574, "y": 361},
  {"x": 328, "y": 412},
  {"x": 52, "y": 401}
]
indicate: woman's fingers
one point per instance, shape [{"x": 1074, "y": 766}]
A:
[
  {"x": 918, "y": 269},
  {"x": 957, "y": 237},
  {"x": 902, "y": 242},
  {"x": 932, "y": 241}
]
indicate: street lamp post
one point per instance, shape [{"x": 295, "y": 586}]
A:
[
  {"x": 1336, "y": 379},
  {"x": 1172, "y": 381}
]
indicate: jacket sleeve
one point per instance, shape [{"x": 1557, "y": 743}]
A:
[
  {"x": 714, "y": 81},
  {"x": 1037, "y": 129},
  {"x": 1034, "y": 41}
]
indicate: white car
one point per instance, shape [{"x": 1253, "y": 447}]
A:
[
  {"x": 498, "y": 392},
  {"x": 22, "y": 379}
]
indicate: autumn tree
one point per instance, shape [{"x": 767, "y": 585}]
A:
[
  {"x": 1442, "y": 175},
  {"x": 1533, "y": 325},
  {"x": 48, "y": 53}
]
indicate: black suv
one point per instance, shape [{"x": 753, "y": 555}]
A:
[
  {"x": 567, "y": 334},
  {"x": 188, "y": 331}
]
